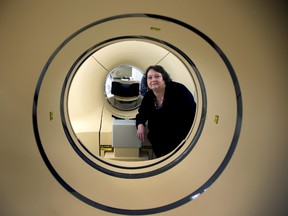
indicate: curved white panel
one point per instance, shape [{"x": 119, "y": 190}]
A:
[{"x": 222, "y": 128}]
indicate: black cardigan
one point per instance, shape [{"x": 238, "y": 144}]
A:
[{"x": 167, "y": 125}]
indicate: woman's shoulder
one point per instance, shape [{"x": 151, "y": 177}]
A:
[
  {"x": 148, "y": 96},
  {"x": 176, "y": 86}
]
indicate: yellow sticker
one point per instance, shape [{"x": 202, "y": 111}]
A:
[
  {"x": 106, "y": 147},
  {"x": 155, "y": 28},
  {"x": 51, "y": 116},
  {"x": 216, "y": 119}
]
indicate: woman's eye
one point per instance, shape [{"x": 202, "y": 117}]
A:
[{"x": 156, "y": 77}]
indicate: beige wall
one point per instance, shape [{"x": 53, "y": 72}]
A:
[{"x": 252, "y": 35}]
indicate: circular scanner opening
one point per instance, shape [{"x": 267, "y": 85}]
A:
[
  {"x": 92, "y": 107},
  {"x": 123, "y": 87}
]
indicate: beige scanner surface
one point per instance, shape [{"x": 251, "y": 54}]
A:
[{"x": 254, "y": 38}]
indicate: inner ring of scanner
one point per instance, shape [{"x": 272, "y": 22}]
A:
[
  {"x": 80, "y": 147},
  {"x": 205, "y": 163}
]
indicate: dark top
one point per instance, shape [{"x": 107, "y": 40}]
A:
[{"x": 170, "y": 124}]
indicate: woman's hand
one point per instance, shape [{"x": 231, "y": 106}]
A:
[{"x": 141, "y": 132}]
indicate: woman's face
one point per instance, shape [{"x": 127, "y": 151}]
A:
[{"x": 155, "y": 80}]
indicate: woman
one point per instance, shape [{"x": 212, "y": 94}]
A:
[{"x": 168, "y": 107}]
